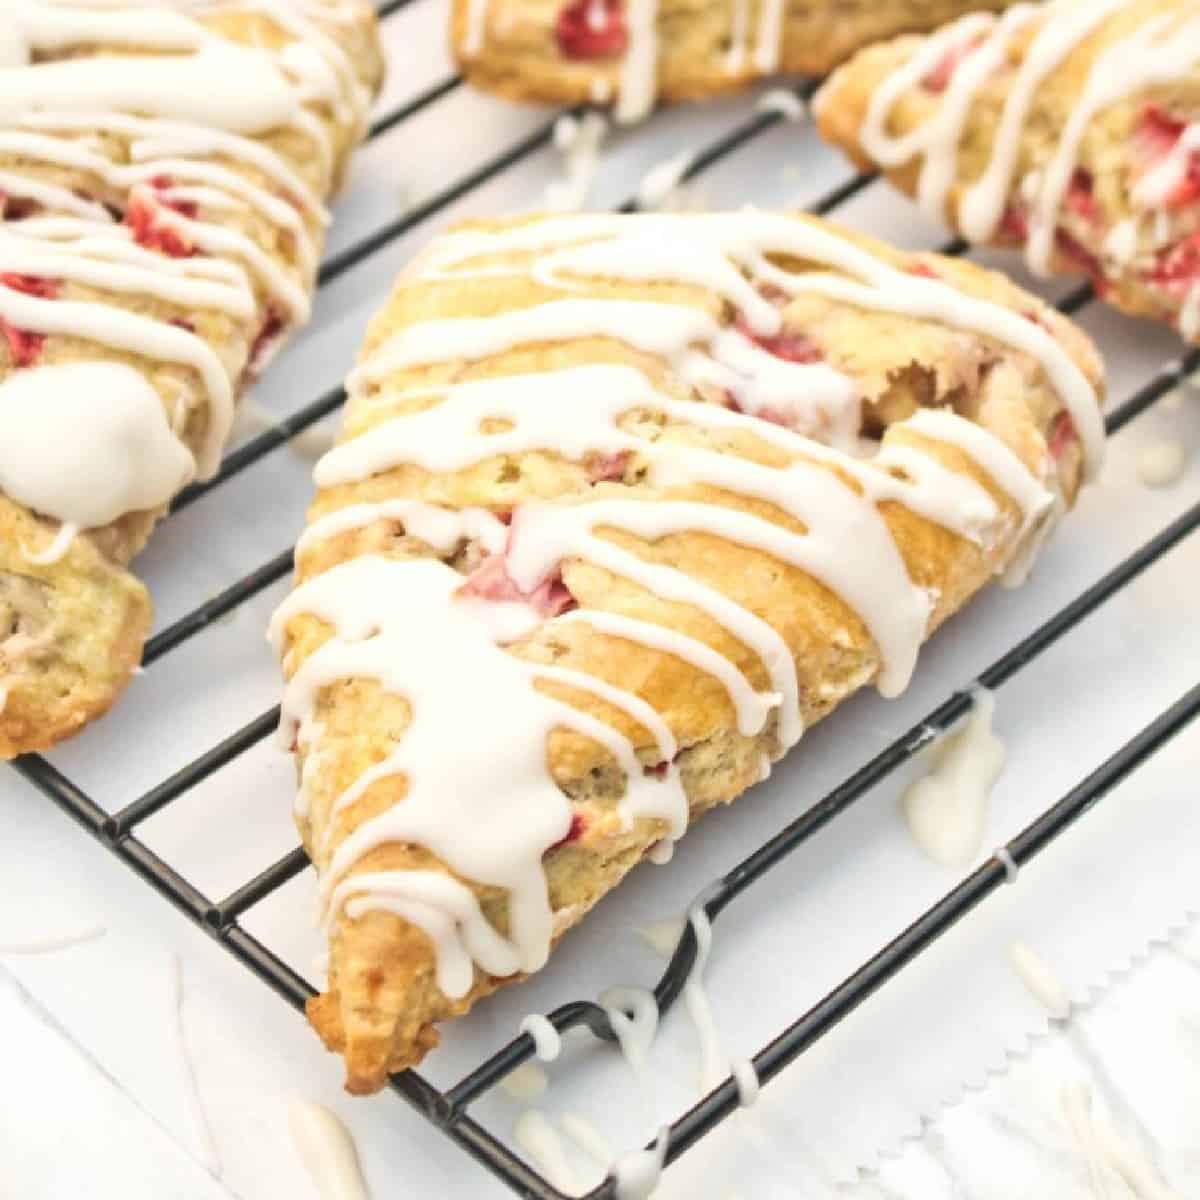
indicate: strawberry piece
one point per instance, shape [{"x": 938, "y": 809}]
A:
[
  {"x": 1081, "y": 198},
  {"x": 938, "y": 79},
  {"x": 792, "y": 347},
  {"x": 578, "y": 826},
  {"x": 490, "y": 581},
  {"x": 1014, "y": 225},
  {"x": 24, "y": 347},
  {"x": 924, "y": 270},
  {"x": 1080, "y": 257},
  {"x": 589, "y": 29},
  {"x": 144, "y": 217},
  {"x": 1178, "y": 267},
  {"x": 1157, "y": 132},
  {"x": 164, "y": 183},
  {"x": 267, "y": 340},
  {"x": 1062, "y": 435},
  {"x": 608, "y": 467}
]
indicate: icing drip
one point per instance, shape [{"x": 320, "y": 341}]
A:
[
  {"x": 188, "y": 94},
  {"x": 328, "y": 1151},
  {"x": 746, "y": 1078},
  {"x": 1043, "y": 984},
  {"x": 636, "y": 1174},
  {"x": 87, "y": 442},
  {"x": 546, "y": 1038},
  {"x": 579, "y": 140},
  {"x": 539, "y": 1139},
  {"x": 526, "y": 1082},
  {"x": 1161, "y": 463},
  {"x": 639, "y": 68},
  {"x": 588, "y": 1138},
  {"x": 714, "y": 1064},
  {"x": 947, "y": 809}
]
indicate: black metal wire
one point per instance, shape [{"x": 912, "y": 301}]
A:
[{"x": 449, "y": 1110}]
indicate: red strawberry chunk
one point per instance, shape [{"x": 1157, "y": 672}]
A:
[
  {"x": 924, "y": 270},
  {"x": 1178, "y": 267},
  {"x": 164, "y": 183},
  {"x": 1081, "y": 198},
  {"x": 490, "y": 581},
  {"x": 938, "y": 79},
  {"x": 1014, "y": 225},
  {"x": 610, "y": 467},
  {"x": 592, "y": 29},
  {"x": 1157, "y": 132},
  {"x": 1062, "y": 435},
  {"x": 578, "y": 825},
  {"x": 1083, "y": 260},
  {"x": 144, "y": 217},
  {"x": 24, "y": 347},
  {"x": 792, "y": 347},
  {"x": 267, "y": 340}
]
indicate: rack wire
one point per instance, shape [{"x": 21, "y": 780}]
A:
[{"x": 449, "y": 1109}]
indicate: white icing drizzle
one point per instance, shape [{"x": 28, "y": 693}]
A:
[
  {"x": 739, "y": 33},
  {"x": 1044, "y": 986},
  {"x": 206, "y": 1146},
  {"x": 947, "y": 808},
  {"x": 636, "y": 1173},
  {"x": 714, "y": 1064},
  {"x": 539, "y": 1139},
  {"x": 526, "y": 1082},
  {"x": 663, "y": 936},
  {"x": 1011, "y": 868},
  {"x": 769, "y": 40},
  {"x": 1104, "y": 1146},
  {"x": 746, "y": 1078},
  {"x": 87, "y": 442},
  {"x": 578, "y": 139},
  {"x": 327, "y": 1150},
  {"x": 588, "y": 1138},
  {"x": 633, "y": 1013},
  {"x": 187, "y": 95},
  {"x": 639, "y": 68},
  {"x": 546, "y": 1038},
  {"x": 406, "y": 625},
  {"x": 783, "y": 101},
  {"x": 51, "y": 943},
  {"x": 662, "y": 180},
  {"x": 1161, "y": 463},
  {"x": 477, "y": 11}
]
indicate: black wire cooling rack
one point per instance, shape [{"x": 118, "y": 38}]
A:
[{"x": 449, "y": 1110}]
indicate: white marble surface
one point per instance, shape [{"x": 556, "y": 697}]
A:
[{"x": 80, "y": 1117}]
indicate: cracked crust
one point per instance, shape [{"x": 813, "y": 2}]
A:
[
  {"x": 382, "y": 1004},
  {"x": 521, "y": 57},
  {"x": 1150, "y": 278},
  {"x": 71, "y": 632}
]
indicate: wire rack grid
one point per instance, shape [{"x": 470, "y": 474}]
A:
[{"x": 376, "y": 246}]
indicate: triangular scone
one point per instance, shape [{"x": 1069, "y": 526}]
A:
[
  {"x": 162, "y": 177},
  {"x": 1070, "y": 129},
  {"x": 623, "y": 503},
  {"x": 637, "y": 51}
]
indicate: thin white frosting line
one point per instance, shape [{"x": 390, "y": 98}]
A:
[
  {"x": 51, "y": 196},
  {"x": 751, "y": 708}
]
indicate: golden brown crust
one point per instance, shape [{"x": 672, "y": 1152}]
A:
[
  {"x": 1112, "y": 157},
  {"x": 71, "y": 632},
  {"x": 383, "y": 1002},
  {"x": 522, "y": 59}
]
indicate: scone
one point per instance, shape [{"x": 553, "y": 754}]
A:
[
  {"x": 622, "y": 504},
  {"x": 163, "y": 172},
  {"x": 1068, "y": 129},
  {"x": 571, "y": 51}
]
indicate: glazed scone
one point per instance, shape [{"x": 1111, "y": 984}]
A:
[
  {"x": 1071, "y": 130},
  {"x": 572, "y": 51},
  {"x": 621, "y": 505},
  {"x": 163, "y": 173}
]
